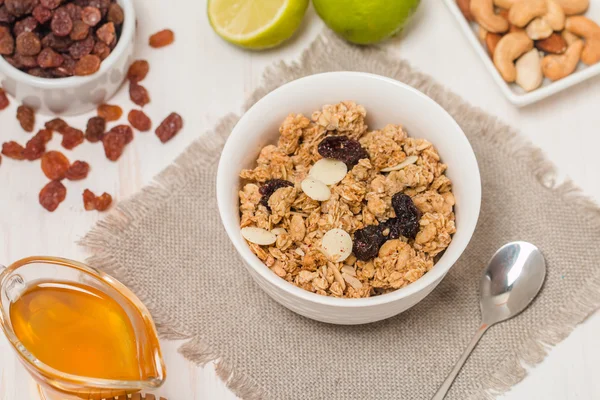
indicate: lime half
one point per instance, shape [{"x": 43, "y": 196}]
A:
[{"x": 256, "y": 24}]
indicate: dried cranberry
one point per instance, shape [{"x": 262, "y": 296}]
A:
[
  {"x": 342, "y": 148},
  {"x": 367, "y": 242},
  {"x": 169, "y": 127},
  {"x": 407, "y": 216},
  {"x": 52, "y": 195},
  {"x": 269, "y": 188},
  {"x": 96, "y": 127},
  {"x": 77, "y": 171}
]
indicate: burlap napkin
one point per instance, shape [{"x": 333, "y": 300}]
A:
[{"x": 168, "y": 245}]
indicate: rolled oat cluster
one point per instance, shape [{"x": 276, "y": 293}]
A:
[{"x": 342, "y": 211}]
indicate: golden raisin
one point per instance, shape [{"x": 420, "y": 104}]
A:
[
  {"x": 139, "y": 120},
  {"x": 57, "y": 124},
  {"x": 77, "y": 171},
  {"x": 162, "y": 38},
  {"x": 138, "y": 94},
  {"x": 87, "y": 65},
  {"x": 124, "y": 130},
  {"x": 169, "y": 127},
  {"x": 35, "y": 148},
  {"x": 138, "y": 71},
  {"x": 93, "y": 202},
  {"x": 52, "y": 195},
  {"x": 95, "y": 129},
  {"x": 109, "y": 112},
  {"x": 3, "y": 99},
  {"x": 55, "y": 165},
  {"x": 13, "y": 150},
  {"x": 26, "y": 117},
  {"x": 114, "y": 144},
  {"x": 71, "y": 138}
]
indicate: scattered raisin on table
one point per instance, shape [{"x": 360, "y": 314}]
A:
[
  {"x": 56, "y": 124},
  {"x": 138, "y": 71},
  {"x": 342, "y": 148},
  {"x": 103, "y": 201},
  {"x": 96, "y": 127},
  {"x": 139, "y": 120},
  {"x": 48, "y": 58},
  {"x": 28, "y": 44},
  {"x": 13, "y": 150},
  {"x": 55, "y": 165},
  {"x": 61, "y": 23},
  {"x": 93, "y": 202},
  {"x": 45, "y": 135},
  {"x": 367, "y": 242},
  {"x": 269, "y": 188},
  {"x": 124, "y": 130},
  {"x": 87, "y": 65},
  {"x": 71, "y": 138},
  {"x": 138, "y": 94},
  {"x": 407, "y": 215},
  {"x": 7, "y": 41},
  {"x": 169, "y": 127},
  {"x": 114, "y": 144},
  {"x": 77, "y": 171},
  {"x": 162, "y": 38},
  {"x": 26, "y": 117},
  {"x": 110, "y": 112},
  {"x": 35, "y": 148},
  {"x": 106, "y": 33},
  {"x": 3, "y": 99},
  {"x": 52, "y": 195},
  {"x": 91, "y": 15}
]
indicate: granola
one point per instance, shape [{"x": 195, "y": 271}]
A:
[{"x": 350, "y": 225}]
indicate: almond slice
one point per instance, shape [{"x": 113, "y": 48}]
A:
[
  {"x": 278, "y": 231},
  {"x": 337, "y": 275},
  {"x": 337, "y": 244},
  {"x": 352, "y": 281},
  {"x": 349, "y": 270},
  {"x": 315, "y": 189},
  {"x": 258, "y": 236},
  {"x": 409, "y": 160},
  {"x": 328, "y": 171}
]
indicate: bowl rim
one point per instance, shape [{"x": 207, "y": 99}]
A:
[
  {"x": 259, "y": 267},
  {"x": 106, "y": 65}
]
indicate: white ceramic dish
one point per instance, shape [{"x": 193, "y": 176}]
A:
[
  {"x": 386, "y": 101},
  {"x": 512, "y": 91},
  {"x": 77, "y": 94}
]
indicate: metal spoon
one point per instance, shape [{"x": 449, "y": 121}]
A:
[{"x": 511, "y": 280}]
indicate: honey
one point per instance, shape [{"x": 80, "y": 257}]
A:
[{"x": 80, "y": 330}]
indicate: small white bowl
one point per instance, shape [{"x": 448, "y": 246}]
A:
[
  {"x": 386, "y": 101},
  {"x": 76, "y": 94}
]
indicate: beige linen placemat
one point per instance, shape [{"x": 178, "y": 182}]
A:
[{"x": 168, "y": 245}]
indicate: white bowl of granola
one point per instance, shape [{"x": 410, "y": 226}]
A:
[{"x": 348, "y": 195}]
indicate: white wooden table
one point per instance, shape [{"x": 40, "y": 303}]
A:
[{"x": 202, "y": 78}]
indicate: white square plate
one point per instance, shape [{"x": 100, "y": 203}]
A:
[{"x": 512, "y": 91}]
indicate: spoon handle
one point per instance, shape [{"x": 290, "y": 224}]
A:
[{"x": 443, "y": 389}]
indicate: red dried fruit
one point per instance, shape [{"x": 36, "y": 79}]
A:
[
  {"x": 48, "y": 58},
  {"x": 139, "y": 120},
  {"x": 52, "y": 195},
  {"x": 109, "y": 112},
  {"x": 342, "y": 148},
  {"x": 80, "y": 30},
  {"x": 19, "y": 8},
  {"x": 82, "y": 48},
  {"x": 96, "y": 127},
  {"x": 71, "y": 138},
  {"x": 26, "y": 117},
  {"x": 13, "y": 150},
  {"x": 169, "y": 127},
  {"x": 162, "y": 38},
  {"x": 61, "y": 24},
  {"x": 77, "y": 171},
  {"x": 89, "y": 200},
  {"x": 124, "y": 130},
  {"x": 138, "y": 94},
  {"x": 42, "y": 14},
  {"x": 45, "y": 135},
  {"x": 35, "y": 148},
  {"x": 114, "y": 144},
  {"x": 57, "y": 124},
  {"x": 407, "y": 215},
  {"x": 138, "y": 71},
  {"x": 25, "y": 25},
  {"x": 271, "y": 187},
  {"x": 87, "y": 65},
  {"x": 39, "y": 72},
  {"x": 5, "y": 16},
  {"x": 115, "y": 14},
  {"x": 367, "y": 242},
  {"x": 58, "y": 43},
  {"x": 91, "y": 16},
  {"x": 106, "y": 33},
  {"x": 3, "y": 100},
  {"x": 28, "y": 44},
  {"x": 74, "y": 11},
  {"x": 25, "y": 61},
  {"x": 55, "y": 165},
  {"x": 101, "y": 50},
  {"x": 67, "y": 68},
  {"x": 51, "y": 4},
  {"x": 103, "y": 201},
  {"x": 7, "y": 41}
]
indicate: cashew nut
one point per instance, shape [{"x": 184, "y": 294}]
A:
[
  {"x": 556, "y": 66},
  {"x": 538, "y": 29},
  {"x": 482, "y": 34},
  {"x": 524, "y": 11},
  {"x": 509, "y": 48},
  {"x": 569, "y": 37},
  {"x": 529, "y": 71},
  {"x": 572, "y": 7},
  {"x": 590, "y": 32},
  {"x": 491, "y": 42},
  {"x": 465, "y": 9},
  {"x": 507, "y": 4},
  {"x": 555, "y": 17},
  {"x": 483, "y": 12}
]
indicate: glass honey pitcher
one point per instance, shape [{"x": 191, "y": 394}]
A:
[{"x": 77, "y": 299}]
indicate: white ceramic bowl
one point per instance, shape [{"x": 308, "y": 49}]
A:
[
  {"x": 76, "y": 94},
  {"x": 386, "y": 101}
]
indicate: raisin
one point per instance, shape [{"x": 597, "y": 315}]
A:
[
  {"x": 95, "y": 129},
  {"x": 13, "y": 150},
  {"x": 7, "y": 41},
  {"x": 139, "y": 120},
  {"x": 35, "y": 148},
  {"x": 138, "y": 71},
  {"x": 101, "y": 50},
  {"x": 42, "y": 14},
  {"x": 367, "y": 242},
  {"x": 74, "y": 11},
  {"x": 40, "y": 72},
  {"x": 115, "y": 14},
  {"x": 51, "y": 4},
  {"x": 57, "y": 124},
  {"x": 106, "y": 33},
  {"x": 3, "y": 99},
  {"x": 5, "y": 16},
  {"x": 80, "y": 30},
  {"x": 91, "y": 16},
  {"x": 82, "y": 48},
  {"x": 25, "y": 25},
  {"x": 77, "y": 171},
  {"x": 55, "y": 165},
  {"x": 48, "y": 58},
  {"x": 89, "y": 200},
  {"x": 19, "y": 8},
  {"x": 67, "y": 67},
  {"x": 114, "y": 144},
  {"x": 342, "y": 148},
  {"x": 269, "y": 188},
  {"x": 407, "y": 215},
  {"x": 110, "y": 112},
  {"x": 87, "y": 65},
  {"x": 26, "y": 117},
  {"x": 52, "y": 195},
  {"x": 25, "y": 61},
  {"x": 124, "y": 130},
  {"x": 102, "y": 5},
  {"x": 61, "y": 24},
  {"x": 45, "y": 135},
  {"x": 162, "y": 38},
  {"x": 58, "y": 43},
  {"x": 71, "y": 138},
  {"x": 28, "y": 44},
  {"x": 138, "y": 94},
  {"x": 103, "y": 201}
]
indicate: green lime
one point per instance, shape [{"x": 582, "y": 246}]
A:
[
  {"x": 365, "y": 21},
  {"x": 256, "y": 24}
]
